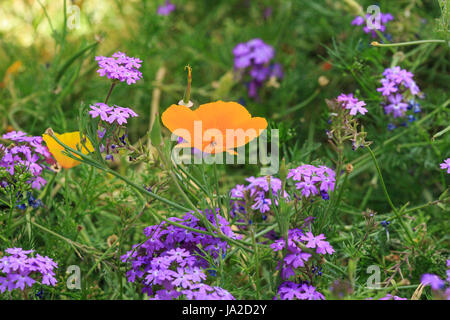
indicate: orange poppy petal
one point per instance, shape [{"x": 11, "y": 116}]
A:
[
  {"x": 71, "y": 139},
  {"x": 216, "y": 119},
  {"x": 180, "y": 120}
]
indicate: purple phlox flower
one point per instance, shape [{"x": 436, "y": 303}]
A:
[
  {"x": 307, "y": 186},
  {"x": 22, "y": 270},
  {"x": 297, "y": 259},
  {"x": 358, "y": 21},
  {"x": 262, "y": 204},
  {"x": 322, "y": 247},
  {"x": 26, "y": 152},
  {"x": 100, "y": 109},
  {"x": 15, "y": 136},
  {"x": 388, "y": 87},
  {"x": 397, "y": 107},
  {"x": 357, "y": 107},
  {"x": 119, "y": 67},
  {"x": 170, "y": 263},
  {"x": 166, "y": 9},
  {"x": 432, "y": 280},
  {"x": 446, "y": 165},
  {"x": 348, "y": 101},
  {"x": 111, "y": 114}
]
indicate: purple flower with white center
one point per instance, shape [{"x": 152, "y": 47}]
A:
[
  {"x": 166, "y": 9},
  {"x": 446, "y": 165},
  {"x": 119, "y": 67}
]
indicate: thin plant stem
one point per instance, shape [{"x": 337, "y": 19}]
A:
[{"x": 388, "y": 198}]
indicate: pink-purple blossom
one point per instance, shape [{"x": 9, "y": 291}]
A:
[
  {"x": 120, "y": 67},
  {"x": 166, "y": 9},
  {"x": 349, "y": 102},
  {"x": 446, "y": 165},
  {"x": 111, "y": 114},
  {"x": 313, "y": 181}
]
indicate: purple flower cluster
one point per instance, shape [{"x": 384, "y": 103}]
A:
[
  {"x": 293, "y": 291},
  {"x": 111, "y": 114},
  {"x": 26, "y": 152},
  {"x": 349, "y": 102},
  {"x": 446, "y": 165},
  {"x": 255, "y": 56},
  {"x": 19, "y": 270},
  {"x": 120, "y": 67},
  {"x": 171, "y": 263},
  {"x": 166, "y": 9},
  {"x": 399, "y": 90},
  {"x": 384, "y": 19},
  {"x": 255, "y": 195},
  {"x": 437, "y": 284},
  {"x": 313, "y": 180},
  {"x": 296, "y": 257}
]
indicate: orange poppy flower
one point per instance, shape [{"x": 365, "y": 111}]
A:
[
  {"x": 70, "y": 139},
  {"x": 213, "y": 127}
]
